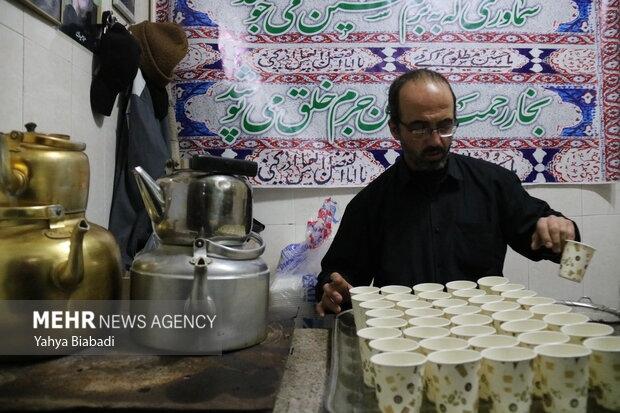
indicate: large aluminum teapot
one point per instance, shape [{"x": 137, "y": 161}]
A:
[{"x": 210, "y": 199}]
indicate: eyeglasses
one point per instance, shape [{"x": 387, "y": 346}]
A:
[{"x": 444, "y": 131}]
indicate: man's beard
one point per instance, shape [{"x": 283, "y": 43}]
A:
[{"x": 423, "y": 162}]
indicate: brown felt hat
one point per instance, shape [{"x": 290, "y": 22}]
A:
[{"x": 163, "y": 46}]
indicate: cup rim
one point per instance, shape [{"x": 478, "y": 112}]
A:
[
  {"x": 407, "y": 312},
  {"x": 384, "y": 304},
  {"x": 444, "y": 321},
  {"x": 489, "y": 307},
  {"x": 551, "y": 318},
  {"x": 444, "y": 332},
  {"x": 514, "y": 340},
  {"x": 528, "y": 337},
  {"x": 474, "y": 308},
  {"x": 428, "y": 285},
  {"x": 383, "y": 359},
  {"x": 605, "y": 329},
  {"x": 467, "y": 292},
  {"x": 448, "y": 284},
  {"x": 513, "y": 326},
  {"x": 400, "y": 324},
  {"x": 424, "y": 294},
  {"x": 422, "y": 303},
  {"x": 487, "y": 328},
  {"x": 572, "y": 241},
  {"x": 425, "y": 343},
  {"x": 494, "y": 278},
  {"x": 359, "y": 297},
  {"x": 377, "y": 310},
  {"x": 482, "y": 319},
  {"x": 495, "y": 300},
  {"x": 536, "y": 309},
  {"x": 511, "y": 293},
  {"x": 352, "y": 292},
  {"x": 554, "y": 350},
  {"x": 594, "y": 344},
  {"x": 366, "y": 331},
  {"x": 443, "y": 301},
  {"x": 469, "y": 356},
  {"x": 413, "y": 345},
  {"x": 385, "y": 289},
  {"x": 518, "y": 285},
  {"x": 396, "y": 297},
  {"x": 524, "y": 300},
  {"x": 526, "y": 354},
  {"x": 498, "y": 315}
]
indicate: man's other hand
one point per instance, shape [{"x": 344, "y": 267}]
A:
[
  {"x": 552, "y": 232},
  {"x": 334, "y": 293}
]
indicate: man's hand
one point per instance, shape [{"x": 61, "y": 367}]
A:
[
  {"x": 552, "y": 232},
  {"x": 334, "y": 293}
]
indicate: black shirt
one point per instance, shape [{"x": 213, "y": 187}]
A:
[{"x": 435, "y": 226}]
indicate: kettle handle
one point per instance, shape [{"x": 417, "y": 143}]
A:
[{"x": 220, "y": 249}]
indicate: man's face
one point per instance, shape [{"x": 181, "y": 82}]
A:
[{"x": 424, "y": 104}]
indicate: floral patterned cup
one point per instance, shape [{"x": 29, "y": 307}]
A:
[
  {"x": 575, "y": 259},
  {"x": 366, "y": 335},
  {"x": 486, "y": 283},
  {"x": 509, "y": 373},
  {"x": 356, "y": 300},
  {"x": 460, "y": 285},
  {"x": 538, "y": 338},
  {"x": 455, "y": 380},
  {"x": 364, "y": 306},
  {"x": 399, "y": 381},
  {"x": 480, "y": 343},
  {"x": 564, "y": 377},
  {"x": 430, "y": 345},
  {"x": 605, "y": 371}
]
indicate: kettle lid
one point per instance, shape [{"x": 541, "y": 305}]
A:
[{"x": 225, "y": 166}]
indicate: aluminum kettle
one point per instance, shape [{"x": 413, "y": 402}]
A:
[{"x": 210, "y": 199}]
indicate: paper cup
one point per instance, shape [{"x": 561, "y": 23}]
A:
[
  {"x": 395, "y": 289},
  {"x": 366, "y": 335},
  {"x": 576, "y": 257},
  {"x": 448, "y": 302},
  {"x": 399, "y": 323},
  {"x": 461, "y": 310},
  {"x": 579, "y": 332},
  {"x": 384, "y": 313},
  {"x": 415, "y": 303},
  {"x": 363, "y": 289},
  {"x": 514, "y": 295},
  {"x": 399, "y": 381},
  {"x": 431, "y": 296},
  {"x": 420, "y": 333},
  {"x": 498, "y": 289},
  {"x": 514, "y": 328},
  {"x": 455, "y": 380},
  {"x": 467, "y": 332},
  {"x": 480, "y": 300},
  {"x": 541, "y": 310},
  {"x": 564, "y": 377},
  {"x": 466, "y": 294},
  {"x": 399, "y": 297},
  {"x": 480, "y": 343},
  {"x": 386, "y": 345},
  {"x": 509, "y": 315},
  {"x": 364, "y": 306},
  {"x": 605, "y": 371},
  {"x": 429, "y": 322},
  {"x": 418, "y": 288},
  {"x": 509, "y": 374},
  {"x": 424, "y": 312},
  {"x": 556, "y": 321},
  {"x": 537, "y": 338},
  {"x": 486, "y": 283},
  {"x": 528, "y": 302},
  {"x": 460, "y": 285},
  {"x": 430, "y": 345},
  {"x": 490, "y": 308},
  {"x": 471, "y": 320},
  {"x": 358, "y": 314}
]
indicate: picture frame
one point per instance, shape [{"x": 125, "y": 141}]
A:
[
  {"x": 51, "y": 10},
  {"x": 127, "y": 8},
  {"x": 79, "y": 21}
]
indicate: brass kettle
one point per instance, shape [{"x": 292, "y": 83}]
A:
[
  {"x": 43, "y": 169},
  {"x": 48, "y": 251}
]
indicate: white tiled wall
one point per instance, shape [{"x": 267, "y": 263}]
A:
[{"x": 45, "y": 78}]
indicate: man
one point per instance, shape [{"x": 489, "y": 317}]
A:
[{"x": 434, "y": 216}]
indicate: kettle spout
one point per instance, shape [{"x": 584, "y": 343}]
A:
[
  {"x": 151, "y": 193},
  {"x": 11, "y": 180},
  {"x": 70, "y": 273},
  {"x": 199, "y": 301}
]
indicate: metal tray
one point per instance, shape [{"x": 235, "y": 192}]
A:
[{"x": 346, "y": 391}]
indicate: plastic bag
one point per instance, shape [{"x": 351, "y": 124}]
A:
[{"x": 292, "y": 291}]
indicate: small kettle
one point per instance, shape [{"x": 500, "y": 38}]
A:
[{"x": 210, "y": 199}]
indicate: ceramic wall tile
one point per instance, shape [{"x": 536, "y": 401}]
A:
[
  {"x": 308, "y": 201},
  {"x": 276, "y": 237},
  {"x": 273, "y": 206},
  {"x": 47, "y": 35},
  {"x": 601, "y": 199},
  {"x": 47, "y": 89},
  {"x": 563, "y": 198},
  {"x": 602, "y": 282},
  {"x": 82, "y": 58},
  {"x": 11, "y": 16},
  {"x": 11, "y": 79}
]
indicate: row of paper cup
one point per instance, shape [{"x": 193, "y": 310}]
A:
[{"x": 465, "y": 320}]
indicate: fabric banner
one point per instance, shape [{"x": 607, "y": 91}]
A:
[{"x": 300, "y": 86}]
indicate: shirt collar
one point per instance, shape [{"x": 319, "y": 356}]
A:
[{"x": 453, "y": 171}]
